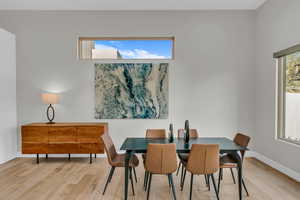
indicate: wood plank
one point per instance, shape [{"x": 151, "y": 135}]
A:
[
  {"x": 90, "y": 134},
  {"x": 62, "y": 134},
  {"x": 35, "y": 134},
  {"x": 58, "y": 179}
]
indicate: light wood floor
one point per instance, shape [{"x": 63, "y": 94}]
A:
[{"x": 58, "y": 178}]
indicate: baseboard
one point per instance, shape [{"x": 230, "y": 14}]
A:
[
  {"x": 8, "y": 159},
  {"x": 281, "y": 168}
]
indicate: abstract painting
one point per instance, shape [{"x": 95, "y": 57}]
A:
[{"x": 131, "y": 90}]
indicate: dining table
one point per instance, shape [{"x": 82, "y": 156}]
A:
[{"x": 139, "y": 145}]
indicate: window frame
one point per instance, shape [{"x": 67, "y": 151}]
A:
[
  {"x": 79, "y": 47},
  {"x": 281, "y": 99}
]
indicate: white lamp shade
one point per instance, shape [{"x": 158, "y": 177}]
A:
[{"x": 50, "y": 98}]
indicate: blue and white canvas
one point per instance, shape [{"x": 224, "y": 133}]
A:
[{"x": 131, "y": 91}]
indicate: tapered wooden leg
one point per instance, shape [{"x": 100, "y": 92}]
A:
[
  {"x": 46, "y": 156},
  {"x": 172, "y": 184},
  {"x": 69, "y": 156},
  {"x": 149, "y": 185},
  {"x": 215, "y": 187},
  {"x": 37, "y": 158},
  {"x": 191, "y": 186},
  {"x": 95, "y": 155},
  {"x": 91, "y": 158}
]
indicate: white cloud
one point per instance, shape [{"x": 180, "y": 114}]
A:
[
  {"x": 140, "y": 54},
  {"x": 102, "y": 46}
]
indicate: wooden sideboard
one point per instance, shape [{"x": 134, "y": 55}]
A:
[{"x": 63, "y": 138}]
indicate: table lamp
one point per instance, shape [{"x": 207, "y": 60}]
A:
[{"x": 50, "y": 98}]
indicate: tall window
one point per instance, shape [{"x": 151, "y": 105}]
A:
[
  {"x": 288, "y": 112},
  {"x": 125, "y": 48}
]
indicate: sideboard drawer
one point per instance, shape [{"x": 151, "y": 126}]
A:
[
  {"x": 90, "y": 134},
  {"x": 34, "y": 148},
  {"x": 91, "y": 148},
  {"x": 62, "y": 134},
  {"x": 63, "y": 148},
  {"x": 35, "y": 134}
]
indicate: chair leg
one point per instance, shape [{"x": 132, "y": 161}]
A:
[
  {"x": 181, "y": 176},
  {"x": 191, "y": 186},
  {"x": 232, "y": 174},
  {"x": 178, "y": 169},
  {"x": 169, "y": 181},
  {"x": 131, "y": 180},
  {"x": 219, "y": 179},
  {"x": 205, "y": 180},
  {"x": 146, "y": 180},
  {"x": 145, "y": 174},
  {"x": 183, "y": 179},
  {"x": 134, "y": 172},
  {"x": 215, "y": 187},
  {"x": 172, "y": 184},
  {"x": 244, "y": 185},
  {"x": 208, "y": 182},
  {"x": 112, "y": 173},
  {"x": 108, "y": 179},
  {"x": 149, "y": 185}
]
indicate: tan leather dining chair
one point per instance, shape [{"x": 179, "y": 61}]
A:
[
  {"x": 161, "y": 159},
  {"x": 154, "y": 134},
  {"x": 117, "y": 160},
  {"x": 184, "y": 156},
  {"x": 229, "y": 162},
  {"x": 203, "y": 160}
]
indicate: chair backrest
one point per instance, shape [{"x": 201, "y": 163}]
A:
[
  {"x": 193, "y": 133},
  {"x": 242, "y": 140},
  {"x": 161, "y": 158},
  {"x": 109, "y": 148},
  {"x": 203, "y": 159},
  {"x": 156, "y": 133}
]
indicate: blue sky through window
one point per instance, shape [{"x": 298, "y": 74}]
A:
[{"x": 139, "y": 49}]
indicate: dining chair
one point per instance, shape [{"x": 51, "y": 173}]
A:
[
  {"x": 161, "y": 159},
  {"x": 203, "y": 160},
  {"x": 117, "y": 160},
  {"x": 184, "y": 156},
  {"x": 154, "y": 134},
  {"x": 229, "y": 162}
]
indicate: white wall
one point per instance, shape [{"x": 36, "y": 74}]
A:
[
  {"x": 277, "y": 28},
  {"x": 211, "y": 77},
  {"x": 8, "y": 118}
]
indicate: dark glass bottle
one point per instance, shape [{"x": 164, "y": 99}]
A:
[
  {"x": 171, "y": 133},
  {"x": 186, "y": 131}
]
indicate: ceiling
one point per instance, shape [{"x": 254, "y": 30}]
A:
[{"x": 130, "y": 4}]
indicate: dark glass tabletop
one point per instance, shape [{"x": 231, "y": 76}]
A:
[{"x": 139, "y": 145}]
